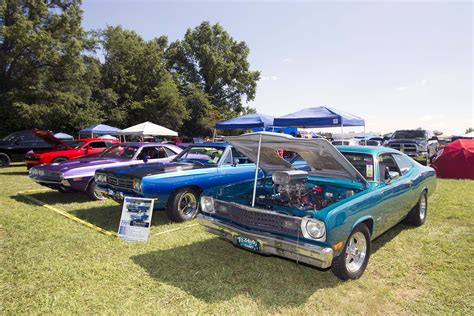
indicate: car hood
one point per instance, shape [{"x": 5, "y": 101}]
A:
[
  {"x": 81, "y": 163},
  {"x": 50, "y": 139},
  {"x": 323, "y": 158},
  {"x": 143, "y": 170}
]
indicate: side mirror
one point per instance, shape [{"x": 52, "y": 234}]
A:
[
  {"x": 146, "y": 158},
  {"x": 236, "y": 161},
  {"x": 391, "y": 175},
  {"x": 433, "y": 138}
]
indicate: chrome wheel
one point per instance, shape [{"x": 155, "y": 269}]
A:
[
  {"x": 422, "y": 207},
  {"x": 187, "y": 204},
  {"x": 356, "y": 250}
]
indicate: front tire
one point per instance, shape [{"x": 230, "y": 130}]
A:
[
  {"x": 353, "y": 260},
  {"x": 417, "y": 215},
  {"x": 4, "y": 160},
  {"x": 183, "y": 205},
  {"x": 92, "y": 192}
]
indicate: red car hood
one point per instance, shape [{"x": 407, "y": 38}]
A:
[{"x": 50, "y": 139}]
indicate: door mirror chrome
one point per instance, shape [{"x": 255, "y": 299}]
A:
[
  {"x": 146, "y": 158},
  {"x": 390, "y": 175},
  {"x": 235, "y": 162}
]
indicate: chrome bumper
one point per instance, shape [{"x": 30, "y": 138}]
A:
[
  {"x": 116, "y": 195},
  {"x": 320, "y": 257}
]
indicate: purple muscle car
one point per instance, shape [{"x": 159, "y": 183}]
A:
[{"x": 78, "y": 174}]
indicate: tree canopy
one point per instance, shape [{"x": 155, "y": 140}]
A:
[{"x": 56, "y": 76}]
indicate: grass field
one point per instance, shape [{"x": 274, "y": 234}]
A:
[{"x": 51, "y": 264}]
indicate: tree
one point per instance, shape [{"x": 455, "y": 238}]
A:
[
  {"x": 470, "y": 129},
  {"x": 135, "y": 84},
  {"x": 44, "y": 79},
  {"x": 210, "y": 60}
]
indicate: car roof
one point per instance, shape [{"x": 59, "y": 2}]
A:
[
  {"x": 216, "y": 144},
  {"x": 371, "y": 150}
]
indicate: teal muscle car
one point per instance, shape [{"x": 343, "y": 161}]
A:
[{"x": 326, "y": 214}]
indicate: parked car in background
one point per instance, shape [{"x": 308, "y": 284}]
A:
[
  {"x": 346, "y": 142},
  {"x": 419, "y": 144},
  {"x": 14, "y": 146},
  {"x": 326, "y": 217},
  {"x": 61, "y": 151},
  {"x": 176, "y": 186},
  {"x": 78, "y": 174}
]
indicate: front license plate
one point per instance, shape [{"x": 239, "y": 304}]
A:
[{"x": 248, "y": 243}]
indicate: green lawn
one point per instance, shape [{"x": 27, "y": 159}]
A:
[{"x": 51, "y": 264}]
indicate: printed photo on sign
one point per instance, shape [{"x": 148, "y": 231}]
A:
[{"x": 135, "y": 221}]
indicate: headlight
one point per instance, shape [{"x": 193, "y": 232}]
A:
[
  {"x": 207, "y": 204},
  {"x": 100, "y": 178},
  {"x": 313, "y": 228},
  {"x": 41, "y": 172},
  {"x": 137, "y": 185}
]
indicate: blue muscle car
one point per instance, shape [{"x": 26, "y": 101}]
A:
[
  {"x": 176, "y": 186},
  {"x": 326, "y": 215}
]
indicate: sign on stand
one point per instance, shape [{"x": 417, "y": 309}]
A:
[{"x": 136, "y": 219}]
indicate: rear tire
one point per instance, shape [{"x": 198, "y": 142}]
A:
[
  {"x": 4, "y": 160},
  {"x": 417, "y": 215},
  {"x": 92, "y": 193},
  {"x": 183, "y": 205},
  {"x": 59, "y": 159},
  {"x": 353, "y": 260}
]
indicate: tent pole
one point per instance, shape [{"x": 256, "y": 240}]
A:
[
  {"x": 214, "y": 135},
  {"x": 365, "y": 137},
  {"x": 256, "y": 170},
  {"x": 342, "y": 131}
]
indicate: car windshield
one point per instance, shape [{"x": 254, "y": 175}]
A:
[
  {"x": 416, "y": 134},
  {"x": 74, "y": 144},
  {"x": 201, "y": 154},
  {"x": 11, "y": 137},
  {"x": 120, "y": 151},
  {"x": 364, "y": 163}
]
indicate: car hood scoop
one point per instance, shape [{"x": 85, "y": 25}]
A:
[{"x": 322, "y": 157}]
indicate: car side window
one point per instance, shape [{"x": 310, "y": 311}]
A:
[
  {"x": 97, "y": 145},
  {"x": 386, "y": 164},
  {"x": 109, "y": 144},
  {"x": 403, "y": 163},
  {"x": 238, "y": 155},
  {"x": 152, "y": 153},
  {"x": 169, "y": 152},
  {"x": 227, "y": 160}
]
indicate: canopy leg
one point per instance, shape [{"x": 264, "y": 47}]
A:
[{"x": 256, "y": 170}]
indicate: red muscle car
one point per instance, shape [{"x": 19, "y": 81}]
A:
[{"x": 62, "y": 151}]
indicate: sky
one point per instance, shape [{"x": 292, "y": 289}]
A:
[{"x": 398, "y": 65}]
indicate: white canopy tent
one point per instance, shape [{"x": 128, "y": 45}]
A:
[{"x": 148, "y": 129}]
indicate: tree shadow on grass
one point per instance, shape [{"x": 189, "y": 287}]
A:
[
  {"x": 13, "y": 173},
  {"x": 214, "y": 270},
  {"x": 103, "y": 216},
  {"x": 108, "y": 217},
  {"x": 53, "y": 197}
]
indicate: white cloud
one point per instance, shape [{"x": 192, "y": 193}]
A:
[
  {"x": 287, "y": 60},
  {"x": 423, "y": 82},
  {"x": 426, "y": 118},
  {"x": 419, "y": 83},
  {"x": 267, "y": 78},
  {"x": 403, "y": 88}
]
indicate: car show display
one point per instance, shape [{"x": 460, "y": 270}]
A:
[
  {"x": 419, "y": 144},
  {"x": 62, "y": 151},
  {"x": 14, "y": 146},
  {"x": 325, "y": 217},
  {"x": 176, "y": 186},
  {"x": 135, "y": 220},
  {"x": 78, "y": 175}
]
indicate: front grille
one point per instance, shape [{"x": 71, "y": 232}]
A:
[
  {"x": 120, "y": 182},
  {"x": 404, "y": 147},
  {"x": 259, "y": 218},
  {"x": 53, "y": 176}
]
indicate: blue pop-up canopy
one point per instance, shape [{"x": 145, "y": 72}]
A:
[
  {"x": 247, "y": 121},
  {"x": 100, "y": 129},
  {"x": 321, "y": 116}
]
